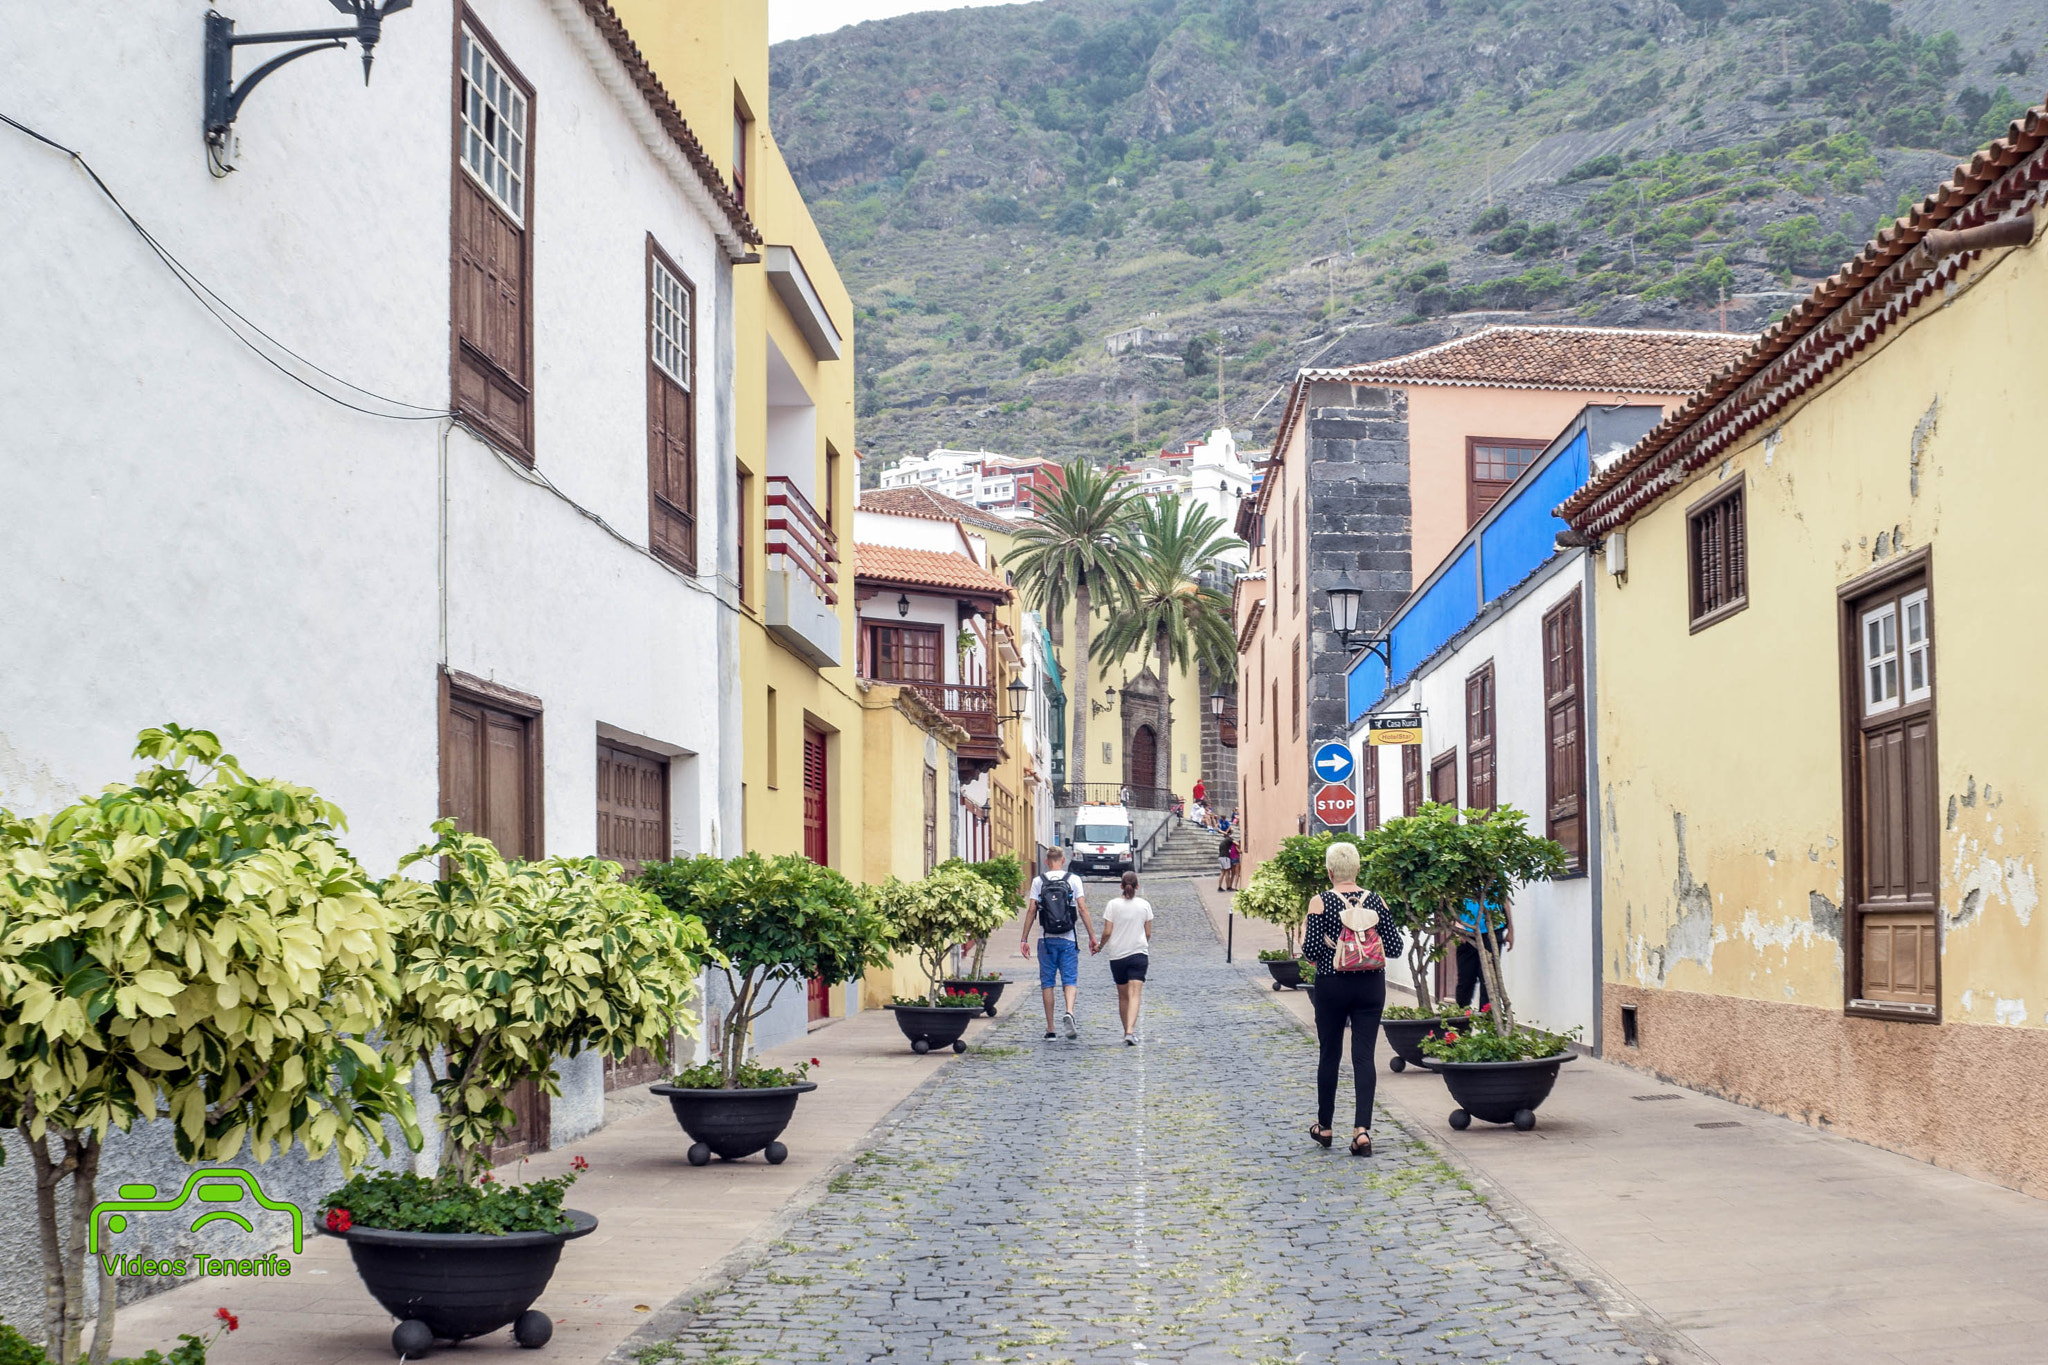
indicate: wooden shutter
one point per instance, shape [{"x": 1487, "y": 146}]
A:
[
  {"x": 1718, "y": 553},
  {"x": 1369, "y": 789},
  {"x": 817, "y": 831},
  {"x": 491, "y": 249},
  {"x": 1893, "y": 815},
  {"x": 1443, "y": 778},
  {"x": 632, "y": 807},
  {"x": 671, "y": 412},
  {"x": 1564, "y": 761},
  {"x": 1411, "y": 778},
  {"x": 1479, "y": 747},
  {"x": 1297, "y": 689},
  {"x": 904, "y": 653},
  {"x": 490, "y": 771}
]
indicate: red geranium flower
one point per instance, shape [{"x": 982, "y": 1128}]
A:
[
  {"x": 488, "y": 1179},
  {"x": 816, "y": 1062},
  {"x": 1486, "y": 1008},
  {"x": 338, "y": 1220},
  {"x": 1451, "y": 1037},
  {"x": 578, "y": 1163},
  {"x": 234, "y": 1323}
]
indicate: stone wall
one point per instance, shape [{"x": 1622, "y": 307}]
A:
[{"x": 1358, "y": 528}]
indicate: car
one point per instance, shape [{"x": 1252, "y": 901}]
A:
[{"x": 1101, "y": 841}]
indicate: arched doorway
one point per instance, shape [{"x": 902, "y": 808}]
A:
[{"x": 1141, "y": 759}]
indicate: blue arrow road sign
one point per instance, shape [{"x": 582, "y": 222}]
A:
[{"x": 1332, "y": 762}]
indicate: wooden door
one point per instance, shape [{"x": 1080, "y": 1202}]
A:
[
  {"x": 1141, "y": 760},
  {"x": 632, "y": 807},
  {"x": 817, "y": 831},
  {"x": 1564, "y": 717},
  {"x": 1443, "y": 778},
  {"x": 1893, "y": 815},
  {"x": 817, "y": 999},
  {"x": 1411, "y": 778},
  {"x": 931, "y": 818}
]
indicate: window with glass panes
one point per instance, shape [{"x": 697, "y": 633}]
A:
[
  {"x": 1492, "y": 464},
  {"x": 671, "y": 413}
]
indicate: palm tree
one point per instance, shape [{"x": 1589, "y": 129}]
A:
[
  {"x": 1167, "y": 610},
  {"x": 1078, "y": 549}
]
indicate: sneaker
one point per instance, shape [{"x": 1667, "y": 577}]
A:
[
  {"x": 1068, "y": 1019},
  {"x": 1050, "y": 1035},
  {"x": 1130, "y": 1040}
]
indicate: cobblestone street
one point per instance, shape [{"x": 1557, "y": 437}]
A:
[{"x": 1059, "y": 1201}]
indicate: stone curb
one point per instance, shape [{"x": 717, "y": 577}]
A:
[
  {"x": 669, "y": 1321},
  {"x": 1660, "y": 1341}
]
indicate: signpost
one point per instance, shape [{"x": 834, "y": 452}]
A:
[
  {"x": 1332, "y": 762},
  {"x": 1335, "y": 805},
  {"x": 1396, "y": 729}
]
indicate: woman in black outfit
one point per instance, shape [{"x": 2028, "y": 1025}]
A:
[{"x": 1354, "y": 998}]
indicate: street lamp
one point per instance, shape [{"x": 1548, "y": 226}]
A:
[
  {"x": 1344, "y": 597},
  {"x": 903, "y": 604},
  {"x": 1019, "y": 691},
  {"x": 1216, "y": 703}
]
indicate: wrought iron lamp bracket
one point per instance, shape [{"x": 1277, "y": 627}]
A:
[{"x": 223, "y": 97}]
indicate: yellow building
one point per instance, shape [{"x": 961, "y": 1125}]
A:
[
  {"x": 809, "y": 728},
  {"x": 1822, "y": 783}
]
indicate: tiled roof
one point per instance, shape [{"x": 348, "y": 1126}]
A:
[
  {"x": 1608, "y": 359},
  {"x": 926, "y": 569},
  {"x": 659, "y": 103},
  {"x": 915, "y": 500},
  {"x": 1843, "y": 315}
]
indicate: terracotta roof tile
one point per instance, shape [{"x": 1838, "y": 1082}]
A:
[
  {"x": 918, "y": 501},
  {"x": 926, "y": 569},
  {"x": 1841, "y": 317},
  {"x": 1613, "y": 359}
]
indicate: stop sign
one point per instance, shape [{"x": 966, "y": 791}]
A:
[{"x": 1335, "y": 805}]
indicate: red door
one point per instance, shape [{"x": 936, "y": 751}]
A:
[{"x": 817, "y": 844}]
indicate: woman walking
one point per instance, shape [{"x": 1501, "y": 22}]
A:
[
  {"x": 1350, "y": 939},
  {"x": 1226, "y": 860},
  {"x": 1127, "y": 935}
]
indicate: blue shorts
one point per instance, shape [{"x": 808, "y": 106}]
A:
[{"x": 1059, "y": 957}]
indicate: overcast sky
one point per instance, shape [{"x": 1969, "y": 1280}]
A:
[{"x": 796, "y": 18}]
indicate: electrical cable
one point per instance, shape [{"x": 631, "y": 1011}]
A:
[{"x": 208, "y": 300}]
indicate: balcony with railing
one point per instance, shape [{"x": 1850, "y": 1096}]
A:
[
  {"x": 972, "y": 707},
  {"x": 803, "y": 575}
]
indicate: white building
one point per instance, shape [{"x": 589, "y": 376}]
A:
[
  {"x": 493, "y": 582},
  {"x": 1007, "y": 485},
  {"x": 1220, "y": 479},
  {"x": 1494, "y": 649}
]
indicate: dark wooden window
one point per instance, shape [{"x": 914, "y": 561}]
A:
[
  {"x": 905, "y": 653},
  {"x": 1492, "y": 465},
  {"x": 742, "y": 137},
  {"x": 491, "y": 764},
  {"x": 817, "y": 828},
  {"x": 1479, "y": 752},
  {"x": 1297, "y": 689},
  {"x": 1564, "y": 761},
  {"x": 1717, "y": 554},
  {"x": 746, "y": 511},
  {"x": 632, "y": 807},
  {"x": 931, "y": 818},
  {"x": 491, "y": 248},
  {"x": 671, "y": 411},
  {"x": 1443, "y": 778},
  {"x": 1411, "y": 778},
  {"x": 1893, "y": 817},
  {"x": 1369, "y": 789}
]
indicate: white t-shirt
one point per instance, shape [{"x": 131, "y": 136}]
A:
[
  {"x": 1127, "y": 920},
  {"x": 1080, "y": 899}
]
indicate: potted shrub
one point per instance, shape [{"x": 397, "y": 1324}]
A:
[
  {"x": 1437, "y": 864},
  {"x": 1271, "y": 896},
  {"x": 930, "y": 917},
  {"x": 196, "y": 944},
  {"x": 502, "y": 968},
  {"x": 1006, "y": 875},
  {"x": 453, "y": 1259},
  {"x": 771, "y": 922},
  {"x": 1405, "y": 1026}
]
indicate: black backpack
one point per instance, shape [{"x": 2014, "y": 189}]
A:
[{"x": 1056, "y": 904}]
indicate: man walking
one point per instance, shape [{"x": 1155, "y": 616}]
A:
[{"x": 1055, "y": 902}]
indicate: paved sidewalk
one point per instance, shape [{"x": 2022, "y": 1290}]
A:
[
  {"x": 1088, "y": 1203},
  {"x": 664, "y": 1225},
  {"x": 1758, "y": 1240}
]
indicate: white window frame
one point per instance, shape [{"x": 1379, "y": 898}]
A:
[
  {"x": 1916, "y": 647},
  {"x": 671, "y": 302},
  {"x": 1881, "y": 659},
  {"x": 489, "y": 95}
]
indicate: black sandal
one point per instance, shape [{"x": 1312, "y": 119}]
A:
[
  {"x": 1366, "y": 1150},
  {"x": 1321, "y": 1134}
]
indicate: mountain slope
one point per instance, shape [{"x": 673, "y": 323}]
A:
[{"x": 1259, "y": 184}]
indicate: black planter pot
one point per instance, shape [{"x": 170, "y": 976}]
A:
[
  {"x": 991, "y": 990},
  {"x": 1286, "y": 975},
  {"x": 1404, "y": 1037},
  {"x": 928, "y": 1027},
  {"x": 735, "y": 1123},
  {"x": 450, "y": 1286},
  {"x": 1499, "y": 1092}
]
